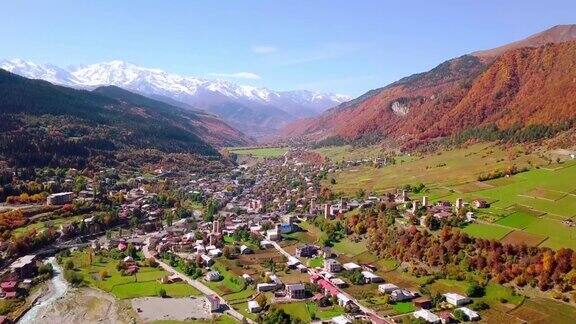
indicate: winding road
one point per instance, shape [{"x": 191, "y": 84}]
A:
[{"x": 196, "y": 284}]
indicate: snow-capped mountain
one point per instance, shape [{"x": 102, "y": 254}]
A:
[{"x": 256, "y": 111}]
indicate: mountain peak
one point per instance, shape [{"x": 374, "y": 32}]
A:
[{"x": 245, "y": 107}]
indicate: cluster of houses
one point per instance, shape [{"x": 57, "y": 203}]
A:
[
  {"x": 454, "y": 301},
  {"x": 17, "y": 278}
]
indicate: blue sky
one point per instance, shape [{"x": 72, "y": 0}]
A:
[{"x": 330, "y": 45}]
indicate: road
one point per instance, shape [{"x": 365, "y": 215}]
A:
[
  {"x": 196, "y": 284},
  {"x": 374, "y": 317}
]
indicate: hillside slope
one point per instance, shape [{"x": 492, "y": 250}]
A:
[
  {"x": 48, "y": 125},
  {"x": 524, "y": 86},
  {"x": 204, "y": 125}
]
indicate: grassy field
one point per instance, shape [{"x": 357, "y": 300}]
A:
[
  {"x": 40, "y": 225},
  {"x": 445, "y": 169},
  {"x": 316, "y": 262},
  {"x": 259, "y": 152},
  {"x": 404, "y": 307},
  {"x": 145, "y": 283},
  {"x": 486, "y": 231},
  {"x": 528, "y": 207},
  {"x": 305, "y": 311},
  {"x": 347, "y": 152},
  {"x": 230, "y": 283},
  {"x": 350, "y": 248}
]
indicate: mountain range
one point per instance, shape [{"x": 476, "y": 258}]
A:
[
  {"x": 257, "y": 112},
  {"x": 49, "y": 125},
  {"x": 522, "y": 90}
]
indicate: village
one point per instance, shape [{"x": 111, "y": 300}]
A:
[{"x": 237, "y": 241}]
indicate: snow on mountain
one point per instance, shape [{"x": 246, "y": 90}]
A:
[{"x": 257, "y": 111}]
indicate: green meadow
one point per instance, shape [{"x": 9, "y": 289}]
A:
[
  {"x": 144, "y": 284},
  {"x": 530, "y": 207}
]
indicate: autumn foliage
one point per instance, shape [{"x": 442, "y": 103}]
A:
[{"x": 525, "y": 87}]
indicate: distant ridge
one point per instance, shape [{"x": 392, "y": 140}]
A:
[
  {"x": 556, "y": 34},
  {"x": 526, "y": 83}
]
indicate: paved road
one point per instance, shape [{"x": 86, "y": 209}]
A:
[
  {"x": 375, "y": 318},
  {"x": 196, "y": 284}
]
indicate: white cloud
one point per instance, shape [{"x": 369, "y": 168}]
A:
[
  {"x": 237, "y": 75},
  {"x": 264, "y": 49}
]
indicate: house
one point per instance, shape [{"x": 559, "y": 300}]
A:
[
  {"x": 263, "y": 287},
  {"x": 343, "y": 300},
  {"x": 401, "y": 295},
  {"x": 306, "y": 251},
  {"x": 9, "y": 289},
  {"x": 456, "y": 299},
  {"x": 331, "y": 265},
  {"x": 351, "y": 266},
  {"x": 480, "y": 203},
  {"x": 273, "y": 234},
  {"x": 168, "y": 279},
  {"x": 207, "y": 260},
  {"x": 470, "y": 314},
  {"x": 265, "y": 244},
  {"x": 426, "y": 315},
  {"x": 327, "y": 287},
  {"x": 296, "y": 291},
  {"x": 215, "y": 252},
  {"x": 341, "y": 319},
  {"x": 292, "y": 262},
  {"x": 244, "y": 249},
  {"x": 212, "y": 276},
  {"x": 247, "y": 278},
  {"x": 131, "y": 270},
  {"x": 338, "y": 282},
  {"x": 214, "y": 302},
  {"x": 60, "y": 198},
  {"x": 371, "y": 277},
  {"x": 387, "y": 288},
  {"x": 253, "y": 306},
  {"x": 423, "y": 302},
  {"x": 24, "y": 267}
]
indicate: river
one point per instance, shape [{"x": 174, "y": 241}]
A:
[{"x": 57, "y": 288}]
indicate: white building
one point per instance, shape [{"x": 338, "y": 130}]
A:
[
  {"x": 351, "y": 266},
  {"x": 456, "y": 299},
  {"x": 331, "y": 265},
  {"x": 212, "y": 276},
  {"x": 470, "y": 314},
  {"x": 401, "y": 295},
  {"x": 426, "y": 315},
  {"x": 342, "y": 319},
  {"x": 253, "y": 306},
  {"x": 371, "y": 277},
  {"x": 387, "y": 288}
]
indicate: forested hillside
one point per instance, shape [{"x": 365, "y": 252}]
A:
[
  {"x": 520, "y": 94},
  {"x": 43, "y": 124}
]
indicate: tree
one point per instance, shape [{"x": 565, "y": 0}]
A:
[
  {"x": 162, "y": 293},
  {"x": 226, "y": 252},
  {"x": 69, "y": 265},
  {"x": 475, "y": 290},
  {"x": 278, "y": 316},
  {"x": 103, "y": 274},
  {"x": 459, "y": 315}
]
